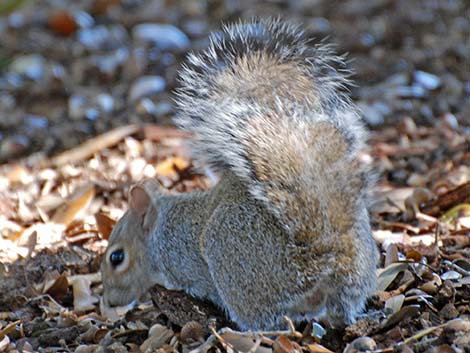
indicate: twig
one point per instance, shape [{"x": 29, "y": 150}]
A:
[
  {"x": 457, "y": 268},
  {"x": 416, "y": 336},
  {"x": 256, "y": 335},
  {"x": 423, "y": 333},
  {"x": 425, "y": 217}
]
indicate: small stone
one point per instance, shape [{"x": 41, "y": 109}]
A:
[
  {"x": 364, "y": 344},
  {"x": 84, "y": 19},
  {"x": 75, "y": 106},
  {"x": 371, "y": 114},
  {"x": 92, "y": 113},
  {"x": 36, "y": 122},
  {"x": 105, "y": 102},
  {"x": 30, "y": 66},
  {"x": 413, "y": 91},
  {"x": 90, "y": 106},
  {"x": 367, "y": 40},
  {"x": 451, "y": 121},
  {"x": 13, "y": 146},
  {"x": 110, "y": 63},
  {"x": 164, "y": 36},
  {"x": 7, "y": 101},
  {"x": 320, "y": 25},
  {"x": 449, "y": 311},
  {"x": 145, "y": 107},
  {"x": 450, "y": 275},
  {"x": 16, "y": 20},
  {"x": 11, "y": 81},
  {"x": 318, "y": 331},
  {"x": 427, "y": 80},
  {"x": 146, "y": 86},
  {"x": 102, "y": 37},
  {"x": 163, "y": 108},
  {"x": 195, "y": 28}
]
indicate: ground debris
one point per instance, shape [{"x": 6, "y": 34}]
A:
[{"x": 85, "y": 108}]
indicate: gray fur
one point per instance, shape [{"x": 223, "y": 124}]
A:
[{"x": 286, "y": 230}]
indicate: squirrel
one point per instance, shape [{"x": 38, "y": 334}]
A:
[{"x": 285, "y": 231}]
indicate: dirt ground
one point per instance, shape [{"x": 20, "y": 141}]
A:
[{"x": 85, "y": 112}]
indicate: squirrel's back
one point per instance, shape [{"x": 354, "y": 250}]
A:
[{"x": 273, "y": 109}]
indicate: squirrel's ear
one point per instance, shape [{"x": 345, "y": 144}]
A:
[{"x": 139, "y": 200}]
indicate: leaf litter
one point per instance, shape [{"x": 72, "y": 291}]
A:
[{"x": 57, "y": 209}]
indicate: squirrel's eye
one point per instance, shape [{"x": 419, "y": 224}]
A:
[{"x": 116, "y": 257}]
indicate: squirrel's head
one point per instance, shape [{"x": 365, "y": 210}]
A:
[{"x": 126, "y": 267}]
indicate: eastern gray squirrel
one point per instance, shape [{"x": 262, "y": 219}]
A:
[{"x": 285, "y": 232}]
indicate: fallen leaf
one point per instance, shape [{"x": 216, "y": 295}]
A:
[
  {"x": 414, "y": 255},
  {"x": 283, "y": 345},
  {"x": 62, "y": 22},
  {"x": 59, "y": 288},
  {"x": 170, "y": 167},
  {"x": 192, "y": 331},
  {"x": 158, "y": 336},
  {"x": 318, "y": 348},
  {"x": 395, "y": 303},
  {"x": 405, "y": 312},
  {"x": 76, "y": 203},
  {"x": 105, "y": 225},
  {"x": 9, "y": 328},
  {"x": 4, "y": 343},
  {"x": 243, "y": 343},
  {"x": 387, "y": 275},
  {"x": 82, "y": 298},
  {"x": 114, "y": 313}
]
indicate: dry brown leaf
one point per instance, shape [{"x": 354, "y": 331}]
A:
[
  {"x": 105, "y": 225},
  {"x": 4, "y": 343},
  {"x": 403, "y": 313},
  {"x": 114, "y": 313},
  {"x": 9, "y": 328},
  {"x": 414, "y": 255},
  {"x": 459, "y": 325},
  {"x": 432, "y": 286},
  {"x": 62, "y": 22},
  {"x": 318, "y": 348},
  {"x": 170, "y": 167},
  {"x": 96, "y": 144},
  {"x": 59, "y": 287},
  {"x": 459, "y": 195},
  {"x": 391, "y": 254},
  {"x": 19, "y": 174},
  {"x": 395, "y": 303},
  {"x": 76, "y": 203},
  {"x": 49, "y": 279},
  {"x": 387, "y": 275},
  {"x": 82, "y": 298},
  {"x": 92, "y": 277},
  {"x": 192, "y": 331},
  {"x": 158, "y": 336},
  {"x": 243, "y": 343},
  {"x": 67, "y": 319},
  {"x": 389, "y": 200},
  {"x": 283, "y": 345}
]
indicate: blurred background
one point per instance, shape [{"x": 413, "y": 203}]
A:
[{"x": 70, "y": 70}]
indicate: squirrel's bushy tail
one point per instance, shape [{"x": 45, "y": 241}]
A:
[{"x": 264, "y": 103}]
